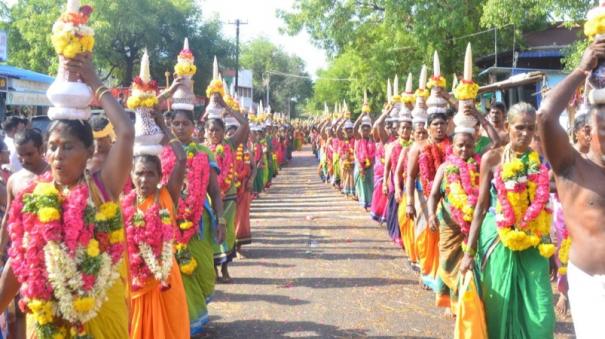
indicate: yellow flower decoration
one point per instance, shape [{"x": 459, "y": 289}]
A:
[
  {"x": 595, "y": 26},
  {"x": 546, "y": 250},
  {"x": 41, "y": 310},
  {"x": 422, "y": 93},
  {"x": 185, "y": 225},
  {"x": 562, "y": 270},
  {"x": 185, "y": 69},
  {"x": 216, "y": 86},
  {"x": 180, "y": 246},
  {"x": 107, "y": 211},
  {"x": 189, "y": 267},
  {"x": 45, "y": 188},
  {"x": 48, "y": 214},
  {"x": 116, "y": 236},
  {"x": 92, "y": 249},
  {"x": 83, "y": 304},
  {"x": 439, "y": 82},
  {"x": 466, "y": 91},
  {"x": 407, "y": 98}
]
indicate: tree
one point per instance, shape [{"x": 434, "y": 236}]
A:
[
  {"x": 123, "y": 28},
  {"x": 285, "y": 73}
]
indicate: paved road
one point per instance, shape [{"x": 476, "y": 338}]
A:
[{"x": 313, "y": 273}]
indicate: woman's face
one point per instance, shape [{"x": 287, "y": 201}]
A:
[
  {"x": 521, "y": 130},
  {"x": 438, "y": 129},
  {"x": 420, "y": 133},
  {"x": 365, "y": 131},
  {"x": 67, "y": 156},
  {"x": 583, "y": 136},
  {"x": 182, "y": 128},
  {"x": 405, "y": 129},
  {"x": 394, "y": 129},
  {"x": 463, "y": 145},
  {"x": 215, "y": 133},
  {"x": 145, "y": 177}
]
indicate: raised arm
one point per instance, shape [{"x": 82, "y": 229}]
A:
[
  {"x": 378, "y": 131},
  {"x": 435, "y": 197},
  {"x": 488, "y": 162},
  {"x": 243, "y": 131},
  {"x": 387, "y": 168},
  {"x": 356, "y": 133},
  {"x": 410, "y": 181},
  {"x": 116, "y": 169},
  {"x": 9, "y": 286},
  {"x": 558, "y": 149},
  {"x": 175, "y": 182},
  {"x": 491, "y": 131}
]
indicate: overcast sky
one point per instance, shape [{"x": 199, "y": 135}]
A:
[{"x": 260, "y": 15}]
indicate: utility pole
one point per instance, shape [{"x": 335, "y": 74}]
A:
[{"x": 237, "y": 23}]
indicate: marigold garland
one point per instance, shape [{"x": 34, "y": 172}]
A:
[
  {"x": 365, "y": 151},
  {"x": 595, "y": 26},
  {"x": 466, "y": 90},
  {"x": 226, "y": 164},
  {"x": 438, "y": 81},
  {"x": 191, "y": 201},
  {"x": 522, "y": 212},
  {"x": 65, "y": 253},
  {"x": 462, "y": 189}
]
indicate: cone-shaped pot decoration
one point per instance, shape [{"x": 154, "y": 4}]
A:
[
  {"x": 407, "y": 100},
  {"x": 595, "y": 27},
  {"x": 213, "y": 92},
  {"x": 69, "y": 96},
  {"x": 347, "y": 115},
  {"x": 395, "y": 100},
  {"x": 454, "y": 83},
  {"x": 365, "y": 108},
  {"x": 184, "y": 98},
  {"x": 435, "y": 103},
  {"x": 142, "y": 100},
  {"x": 419, "y": 114},
  {"x": 466, "y": 92}
]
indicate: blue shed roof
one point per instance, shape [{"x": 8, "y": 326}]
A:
[{"x": 24, "y": 74}]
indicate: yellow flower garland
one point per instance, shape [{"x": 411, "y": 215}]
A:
[{"x": 595, "y": 26}]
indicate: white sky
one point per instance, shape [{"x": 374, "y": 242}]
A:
[{"x": 262, "y": 21}]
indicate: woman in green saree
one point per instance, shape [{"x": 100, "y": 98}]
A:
[{"x": 514, "y": 271}]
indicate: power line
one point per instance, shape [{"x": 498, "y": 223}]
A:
[{"x": 306, "y": 76}]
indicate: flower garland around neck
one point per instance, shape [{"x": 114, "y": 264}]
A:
[
  {"x": 150, "y": 237},
  {"x": 429, "y": 160},
  {"x": 564, "y": 252},
  {"x": 191, "y": 201},
  {"x": 405, "y": 143},
  {"x": 366, "y": 151},
  {"x": 239, "y": 165},
  {"x": 65, "y": 252},
  {"x": 462, "y": 190},
  {"x": 523, "y": 213},
  {"x": 225, "y": 161}
]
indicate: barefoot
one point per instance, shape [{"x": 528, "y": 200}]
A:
[
  {"x": 240, "y": 255},
  {"x": 447, "y": 314},
  {"x": 226, "y": 278},
  {"x": 423, "y": 285},
  {"x": 562, "y": 306}
]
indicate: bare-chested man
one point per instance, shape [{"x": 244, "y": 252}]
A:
[
  {"x": 497, "y": 117},
  {"x": 580, "y": 182},
  {"x": 30, "y": 150}
]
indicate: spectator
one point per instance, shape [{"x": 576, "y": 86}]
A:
[{"x": 11, "y": 126}]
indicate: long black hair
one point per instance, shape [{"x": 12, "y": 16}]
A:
[{"x": 76, "y": 128}]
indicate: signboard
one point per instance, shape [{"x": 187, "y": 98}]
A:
[
  {"x": 3, "y": 84},
  {"x": 3, "y": 46},
  {"x": 26, "y": 99}
]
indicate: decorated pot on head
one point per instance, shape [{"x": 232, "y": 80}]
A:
[
  {"x": 365, "y": 109},
  {"x": 594, "y": 28},
  {"x": 395, "y": 101},
  {"x": 69, "y": 96},
  {"x": 407, "y": 101},
  {"x": 142, "y": 100},
  {"x": 466, "y": 92},
  {"x": 214, "y": 91},
  {"x": 436, "y": 103},
  {"x": 347, "y": 115},
  {"x": 183, "y": 97},
  {"x": 419, "y": 114}
]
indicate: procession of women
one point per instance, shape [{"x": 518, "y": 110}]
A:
[{"x": 115, "y": 229}]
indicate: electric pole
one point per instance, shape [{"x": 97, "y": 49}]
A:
[{"x": 237, "y": 23}]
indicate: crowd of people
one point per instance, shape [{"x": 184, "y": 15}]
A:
[
  {"x": 100, "y": 241},
  {"x": 485, "y": 212}
]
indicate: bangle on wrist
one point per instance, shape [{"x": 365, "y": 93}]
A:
[
  {"x": 102, "y": 94},
  {"x": 99, "y": 90},
  {"x": 468, "y": 250}
]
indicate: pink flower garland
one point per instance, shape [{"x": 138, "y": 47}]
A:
[
  {"x": 536, "y": 206},
  {"x": 191, "y": 201},
  {"x": 429, "y": 160},
  {"x": 153, "y": 232},
  {"x": 27, "y": 259},
  {"x": 224, "y": 160},
  {"x": 365, "y": 151},
  {"x": 470, "y": 186}
]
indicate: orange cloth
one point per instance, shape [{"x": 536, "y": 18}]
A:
[
  {"x": 428, "y": 251},
  {"x": 406, "y": 228},
  {"x": 155, "y": 313},
  {"x": 470, "y": 315}
]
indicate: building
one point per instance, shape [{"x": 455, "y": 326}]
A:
[
  {"x": 21, "y": 88},
  {"x": 245, "y": 89},
  {"x": 523, "y": 75}
]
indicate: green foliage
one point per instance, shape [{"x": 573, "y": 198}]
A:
[
  {"x": 262, "y": 57},
  {"x": 123, "y": 28}
]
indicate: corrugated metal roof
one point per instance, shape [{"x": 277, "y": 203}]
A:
[{"x": 24, "y": 74}]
